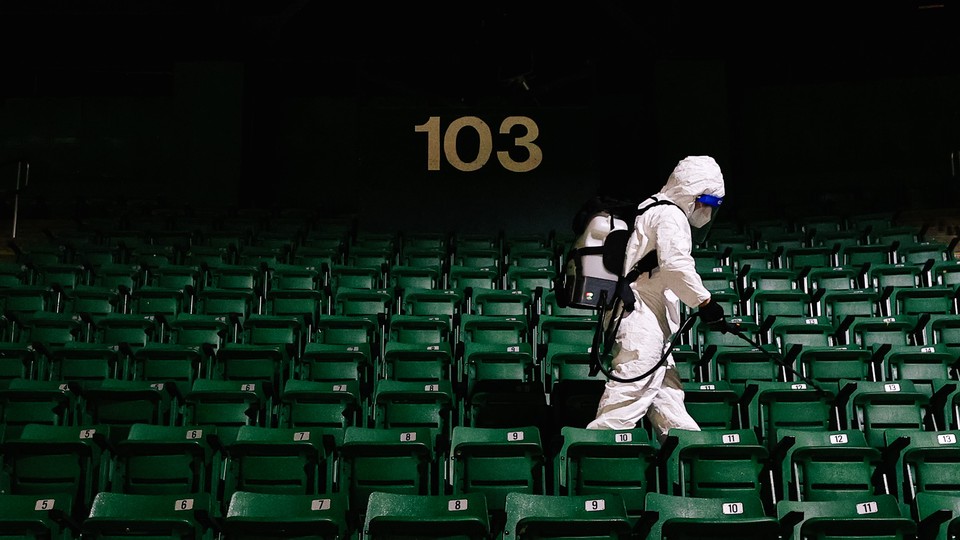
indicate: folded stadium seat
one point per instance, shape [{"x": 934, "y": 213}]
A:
[
  {"x": 115, "y": 276},
  {"x": 867, "y": 222},
  {"x": 945, "y": 273},
  {"x": 83, "y": 363},
  {"x": 867, "y": 254},
  {"x": 90, "y": 304},
  {"x": 432, "y": 257},
  {"x": 252, "y": 516},
  {"x": 26, "y": 401},
  {"x": 814, "y": 331},
  {"x": 260, "y": 255},
  {"x": 234, "y": 304},
  {"x": 716, "y": 464},
  {"x": 737, "y": 365},
  {"x": 121, "y": 515},
  {"x": 281, "y": 461},
  {"x": 919, "y": 461},
  {"x": 768, "y": 406},
  {"x": 714, "y": 405},
  {"x": 871, "y": 516},
  {"x": 338, "y": 362},
  {"x": 825, "y": 465},
  {"x": 936, "y": 515},
  {"x": 447, "y": 303},
  {"x": 881, "y": 276},
  {"x": 731, "y": 238},
  {"x": 934, "y": 300},
  {"x": 121, "y": 404},
  {"x": 294, "y": 277},
  {"x": 39, "y": 253},
  {"x": 52, "y": 329},
  {"x": 227, "y": 405},
  {"x": 770, "y": 279},
  {"x": 176, "y": 276},
  {"x": 355, "y": 277},
  {"x": 24, "y": 300},
  {"x": 744, "y": 259},
  {"x": 942, "y": 329},
  {"x": 688, "y": 363},
  {"x": 419, "y": 329},
  {"x": 320, "y": 257},
  {"x": 843, "y": 306},
  {"x": 574, "y": 392},
  {"x": 392, "y": 515},
  {"x": 208, "y": 332},
  {"x": 921, "y": 365},
  {"x": 490, "y": 240},
  {"x": 30, "y": 516},
  {"x": 707, "y": 259},
  {"x": 512, "y": 302},
  {"x": 873, "y": 332},
  {"x": 200, "y": 254},
  {"x": 827, "y": 366},
  {"x": 721, "y": 278},
  {"x": 777, "y": 241},
  {"x": 837, "y": 239},
  {"x": 833, "y": 278},
  {"x": 49, "y": 460},
  {"x": 461, "y": 277},
  {"x": 530, "y": 279},
  {"x": 64, "y": 275},
  {"x": 372, "y": 259},
  {"x": 316, "y": 404},
  {"x": 133, "y": 330},
  {"x": 904, "y": 235},
  {"x": 175, "y": 460},
  {"x": 13, "y": 274},
  {"x": 478, "y": 257},
  {"x": 424, "y": 240},
  {"x": 804, "y": 258},
  {"x": 592, "y": 462},
  {"x": 414, "y": 277},
  {"x": 566, "y": 329},
  {"x": 765, "y": 305},
  {"x": 876, "y": 408},
  {"x": 269, "y": 346},
  {"x": 927, "y": 253},
  {"x": 423, "y": 361},
  {"x": 411, "y": 404},
  {"x": 673, "y": 516},
  {"x": 706, "y": 340},
  {"x": 495, "y": 462},
  {"x": 19, "y": 361},
  {"x": 496, "y": 329},
  {"x": 398, "y": 461},
  {"x": 501, "y": 387},
  {"x": 531, "y": 516}
]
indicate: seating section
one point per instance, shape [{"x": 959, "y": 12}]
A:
[{"x": 257, "y": 375}]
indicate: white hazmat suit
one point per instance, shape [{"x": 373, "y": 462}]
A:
[{"x": 644, "y": 332}]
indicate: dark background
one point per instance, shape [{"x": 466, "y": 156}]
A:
[{"x": 810, "y": 108}]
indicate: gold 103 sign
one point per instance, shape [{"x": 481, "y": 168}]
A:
[{"x": 526, "y": 140}]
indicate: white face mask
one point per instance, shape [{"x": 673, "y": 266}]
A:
[{"x": 700, "y": 217}]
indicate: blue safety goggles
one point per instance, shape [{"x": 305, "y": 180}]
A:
[{"x": 710, "y": 200}]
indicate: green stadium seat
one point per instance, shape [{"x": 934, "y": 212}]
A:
[
  {"x": 824, "y": 465},
  {"x": 769, "y": 406},
  {"x": 882, "y": 407},
  {"x": 313, "y": 404},
  {"x": 387, "y": 460},
  {"x": 920, "y": 462},
  {"x": 593, "y": 462},
  {"x": 689, "y": 518},
  {"x": 35, "y": 517},
  {"x": 228, "y": 405},
  {"x": 395, "y": 515},
  {"x": 171, "y": 460},
  {"x": 180, "y": 517},
  {"x": 871, "y": 516},
  {"x": 27, "y": 401},
  {"x": 530, "y": 516},
  {"x": 496, "y": 462},
  {"x": 257, "y": 516},
  {"x": 712, "y": 463}
]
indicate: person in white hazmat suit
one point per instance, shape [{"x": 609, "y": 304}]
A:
[{"x": 696, "y": 187}]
